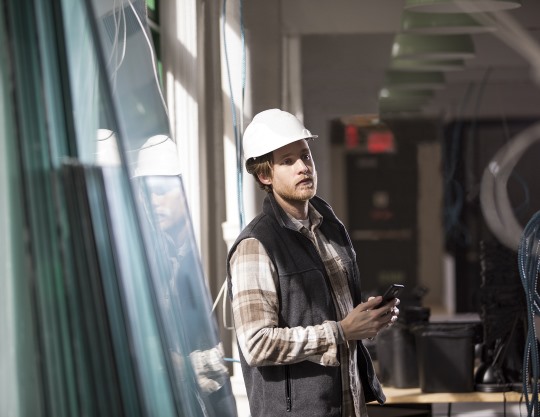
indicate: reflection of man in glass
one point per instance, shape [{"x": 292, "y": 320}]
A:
[
  {"x": 180, "y": 288},
  {"x": 170, "y": 216},
  {"x": 169, "y": 212}
]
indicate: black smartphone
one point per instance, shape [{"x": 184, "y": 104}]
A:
[{"x": 391, "y": 292}]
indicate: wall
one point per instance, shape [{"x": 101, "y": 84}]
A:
[{"x": 345, "y": 48}]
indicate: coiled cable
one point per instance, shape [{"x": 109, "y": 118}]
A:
[{"x": 529, "y": 268}]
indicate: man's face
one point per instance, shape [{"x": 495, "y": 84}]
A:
[
  {"x": 293, "y": 173},
  {"x": 166, "y": 201}
]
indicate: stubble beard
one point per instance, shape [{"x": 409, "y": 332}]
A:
[{"x": 298, "y": 193}]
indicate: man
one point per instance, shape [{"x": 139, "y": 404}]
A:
[
  {"x": 196, "y": 355},
  {"x": 295, "y": 289}
]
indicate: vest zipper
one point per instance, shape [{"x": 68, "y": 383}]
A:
[{"x": 288, "y": 388}]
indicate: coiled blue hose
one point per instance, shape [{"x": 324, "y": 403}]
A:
[{"x": 529, "y": 268}]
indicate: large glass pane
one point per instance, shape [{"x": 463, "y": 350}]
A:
[
  {"x": 19, "y": 390},
  {"x": 191, "y": 335},
  {"x": 169, "y": 271},
  {"x": 36, "y": 96},
  {"x": 106, "y": 304},
  {"x": 126, "y": 287},
  {"x": 200, "y": 378},
  {"x": 128, "y": 54}
]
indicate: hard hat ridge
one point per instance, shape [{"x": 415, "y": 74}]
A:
[
  {"x": 270, "y": 130},
  {"x": 107, "y": 152},
  {"x": 157, "y": 156}
]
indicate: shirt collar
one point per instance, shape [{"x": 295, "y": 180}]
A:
[{"x": 314, "y": 216}]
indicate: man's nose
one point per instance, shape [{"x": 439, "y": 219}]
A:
[{"x": 302, "y": 166}]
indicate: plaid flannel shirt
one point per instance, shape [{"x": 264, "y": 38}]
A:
[{"x": 255, "y": 310}]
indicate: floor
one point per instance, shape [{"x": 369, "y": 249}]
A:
[{"x": 437, "y": 410}]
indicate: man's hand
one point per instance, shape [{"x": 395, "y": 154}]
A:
[{"x": 365, "y": 321}]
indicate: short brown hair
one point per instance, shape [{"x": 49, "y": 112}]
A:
[{"x": 261, "y": 165}]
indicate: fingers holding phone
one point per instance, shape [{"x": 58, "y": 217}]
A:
[
  {"x": 368, "y": 318},
  {"x": 390, "y": 296}
]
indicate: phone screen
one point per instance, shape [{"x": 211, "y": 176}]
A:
[{"x": 391, "y": 293}]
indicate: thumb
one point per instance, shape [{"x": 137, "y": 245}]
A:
[{"x": 372, "y": 302}]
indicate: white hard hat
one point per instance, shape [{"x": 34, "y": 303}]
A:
[
  {"x": 107, "y": 148},
  {"x": 270, "y": 130},
  {"x": 158, "y": 156}
]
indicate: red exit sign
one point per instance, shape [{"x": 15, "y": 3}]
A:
[
  {"x": 380, "y": 142},
  {"x": 371, "y": 141}
]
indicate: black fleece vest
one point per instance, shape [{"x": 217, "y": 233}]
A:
[{"x": 302, "y": 389}]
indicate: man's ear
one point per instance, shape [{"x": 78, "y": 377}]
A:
[{"x": 264, "y": 179}]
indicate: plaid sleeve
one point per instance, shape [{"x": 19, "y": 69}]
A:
[{"x": 255, "y": 313}]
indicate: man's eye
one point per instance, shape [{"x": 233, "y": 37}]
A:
[{"x": 307, "y": 157}]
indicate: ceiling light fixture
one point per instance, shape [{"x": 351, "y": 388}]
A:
[
  {"x": 403, "y": 100},
  {"x": 427, "y": 64},
  {"x": 414, "y": 80},
  {"x": 385, "y": 107},
  {"x": 460, "y": 6},
  {"x": 442, "y": 23},
  {"x": 409, "y": 45},
  {"x": 391, "y": 93}
]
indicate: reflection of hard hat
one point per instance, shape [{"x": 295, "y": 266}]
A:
[
  {"x": 270, "y": 130},
  {"x": 107, "y": 148},
  {"x": 158, "y": 156}
]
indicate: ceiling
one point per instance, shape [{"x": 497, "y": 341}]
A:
[{"x": 500, "y": 75}]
